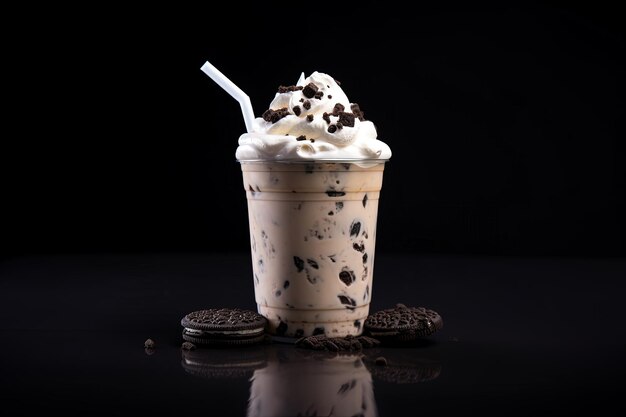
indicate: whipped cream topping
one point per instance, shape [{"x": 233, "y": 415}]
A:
[{"x": 309, "y": 121}]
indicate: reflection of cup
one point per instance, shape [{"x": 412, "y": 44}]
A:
[
  {"x": 297, "y": 383},
  {"x": 312, "y": 236}
]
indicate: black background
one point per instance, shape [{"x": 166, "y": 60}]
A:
[
  {"x": 502, "y": 206},
  {"x": 506, "y": 123}
]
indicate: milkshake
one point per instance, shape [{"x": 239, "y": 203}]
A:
[{"x": 312, "y": 171}]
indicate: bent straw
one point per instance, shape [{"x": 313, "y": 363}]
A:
[{"x": 234, "y": 91}]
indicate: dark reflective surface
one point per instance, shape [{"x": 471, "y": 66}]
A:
[
  {"x": 288, "y": 381},
  {"x": 520, "y": 337}
]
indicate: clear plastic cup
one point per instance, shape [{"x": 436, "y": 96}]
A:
[{"x": 312, "y": 240}]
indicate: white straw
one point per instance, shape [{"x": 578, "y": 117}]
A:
[{"x": 233, "y": 90}]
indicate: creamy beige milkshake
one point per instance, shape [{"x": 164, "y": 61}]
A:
[{"x": 312, "y": 171}]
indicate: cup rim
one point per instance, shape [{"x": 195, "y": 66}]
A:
[{"x": 316, "y": 161}]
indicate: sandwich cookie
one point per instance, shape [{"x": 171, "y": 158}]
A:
[
  {"x": 402, "y": 324},
  {"x": 224, "y": 326}
]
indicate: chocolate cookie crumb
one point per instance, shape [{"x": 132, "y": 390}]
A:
[
  {"x": 297, "y": 110},
  {"x": 309, "y": 118},
  {"x": 310, "y": 90},
  {"x": 306, "y": 104},
  {"x": 149, "y": 344},
  {"x": 301, "y": 137},
  {"x": 275, "y": 115},
  {"x": 338, "y": 108},
  {"x": 339, "y": 126},
  {"x": 332, "y": 129},
  {"x": 356, "y": 110},
  {"x": 346, "y": 119},
  {"x": 330, "y": 97},
  {"x": 285, "y": 89},
  {"x": 326, "y": 117},
  {"x": 319, "y": 95},
  {"x": 188, "y": 346}
]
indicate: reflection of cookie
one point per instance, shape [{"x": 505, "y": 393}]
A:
[
  {"x": 224, "y": 326},
  {"x": 223, "y": 363},
  {"x": 402, "y": 367},
  {"x": 402, "y": 323}
]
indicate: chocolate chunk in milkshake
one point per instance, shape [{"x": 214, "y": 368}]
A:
[
  {"x": 306, "y": 104},
  {"x": 334, "y": 193},
  {"x": 346, "y": 300},
  {"x": 359, "y": 247},
  {"x": 297, "y": 110},
  {"x": 364, "y": 200},
  {"x": 281, "y": 329},
  {"x": 347, "y": 276},
  {"x": 313, "y": 264},
  {"x": 309, "y": 118},
  {"x": 299, "y": 263},
  {"x": 355, "y": 228}
]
